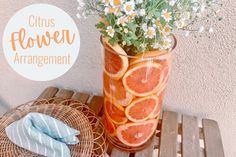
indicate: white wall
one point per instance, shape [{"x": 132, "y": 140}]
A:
[{"x": 203, "y": 81}]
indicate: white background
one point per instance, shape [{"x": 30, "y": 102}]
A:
[{"x": 203, "y": 80}]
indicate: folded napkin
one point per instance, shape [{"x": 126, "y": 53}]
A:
[{"x": 43, "y": 135}]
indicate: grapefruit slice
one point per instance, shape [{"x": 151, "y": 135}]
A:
[
  {"x": 157, "y": 111},
  {"x": 142, "y": 108},
  {"x": 136, "y": 134},
  {"x": 115, "y": 61},
  {"x": 114, "y": 112},
  {"x": 115, "y": 90},
  {"x": 143, "y": 79},
  {"x": 150, "y": 55},
  {"x": 109, "y": 126}
]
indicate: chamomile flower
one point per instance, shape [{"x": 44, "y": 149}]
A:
[
  {"x": 110, "y": 31},
  {"x": 129, "y": 7},
  {"x": 150, "y": 32},
  {"x": 121, "y": 21},
  {"x": 156, "y": 45},
  {"x": 116, "y": 3},
  {"x": 106, "y": 2},
  {"x": 126, "y": 31},
  {"x": 156, "y": 23},
  {"x": 172, "y": 2},
  {"x": 167, "y": 43},
  {"x": 139, "y": 1},
  {"x": 110, "y": 10},
  {"x": 166, "y": 15},
  {"x": 142, "y": 12}
]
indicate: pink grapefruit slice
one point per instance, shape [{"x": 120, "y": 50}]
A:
[
  {"x": 115, "y": 90},
  {"x": 114, "y": 112},
  {"x": 136, "y": 134},
  {"x": 143, "y": 79},
  {"x": 115, "y": 60},
  {"x": 142, "y": 108},
  {"x": 109, "y": 126}
]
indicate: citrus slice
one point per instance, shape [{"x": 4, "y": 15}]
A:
[
  {"x": 116, "y": 91},
  {"x": 114, "y": 112},
  {"x": 157, "y": 111},
  {"x": 109, "y": 126},
  {"x": 115, "y": 61},
  {"x": 141, "y": 109},
  {"x": 150, "y": 56},
  {"x": 136, "y": 134},
  {"x": 143, "y": 79}
]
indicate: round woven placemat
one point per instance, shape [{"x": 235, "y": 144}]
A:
[{"x": 71, "y": 112}]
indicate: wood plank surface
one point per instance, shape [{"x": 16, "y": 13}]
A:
[
  {"x": 65, "y": 94},
  {"x": 190, "y": 137},
  {"x": 169, "y": 134},
  {"x": 213, "y": 142},
  {"x": 80, "y": 97},
  {"x": 118, "y": 153},
  {"x": 96, "y": 104},
  {"x": 147, "y": 152},
  {"x": 48, "y": 93}
]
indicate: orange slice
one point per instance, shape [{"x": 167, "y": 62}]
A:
[
  {"x": 115, "y": 61},
  {"x": 114, "y": 112},
  {"x": 143, "y": 79},
  {"x": 116, "y": 91},
  {"x": 136, "y": 134},
  {"x": 142, "y": 108},
  {"x": 109, "y": 126}
]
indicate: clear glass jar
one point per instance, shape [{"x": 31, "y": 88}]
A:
[{"x": 133, "y": 92}]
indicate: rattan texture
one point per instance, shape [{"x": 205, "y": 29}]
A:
[{"x": 72, "y": 112}]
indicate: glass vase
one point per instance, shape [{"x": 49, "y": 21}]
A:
[{"x": 133, "y": 89}]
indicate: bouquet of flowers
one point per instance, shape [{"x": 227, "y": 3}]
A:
[{"x": 143, "y": 25}]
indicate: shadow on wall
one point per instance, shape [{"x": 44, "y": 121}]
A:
[{"x": 4, "y": 106}]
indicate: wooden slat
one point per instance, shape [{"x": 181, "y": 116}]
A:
[
  {"x": 96, "y": 104},
  {"x": 213, "y": 142},
  {"x": 147, "y": 152},
  {"x": 118, "y": 153},
  {"x": 65, "y": 94},
  {"x": 190, "y": 137},
  {"x": 169, "y": 134},
  {"x": 48, "y": 93},
  {"x": 80, "y": 97}
]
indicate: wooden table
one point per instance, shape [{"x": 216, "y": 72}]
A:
[{"x": 175, "y": 136}]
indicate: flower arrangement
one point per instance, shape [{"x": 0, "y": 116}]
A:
[{"x": 143, "y": 25}]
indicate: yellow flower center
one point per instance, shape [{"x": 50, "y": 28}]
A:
[
  {"x": 150, "y": 32},
  {"x": 117, "y": 2},
  {"x": 129, "y": 8},
  {"x": 167, "y": 15},
  {"x": 158, "y": 23}
]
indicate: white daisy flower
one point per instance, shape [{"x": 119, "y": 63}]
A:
[
  {"x": 172, "y": 2},
  {"x": 129, "y": 7},
  {"x": 110, "y": 31},
  {"x": 139, "y": 1},
  {"x": 110, "y": 10},
  {"x": 166, "y": 15},
  {"x": 156, "y": 45},
  {"x": 142, "y": 12},
  {"x": 115, "y": 3},
  {"x": 167, "y": 43},
  {"x": 150, "y": 32},
  {"x": 106, "y": 2},
  {"x": 126, "y": 30},
  {"x": 122, "y": 21}
]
